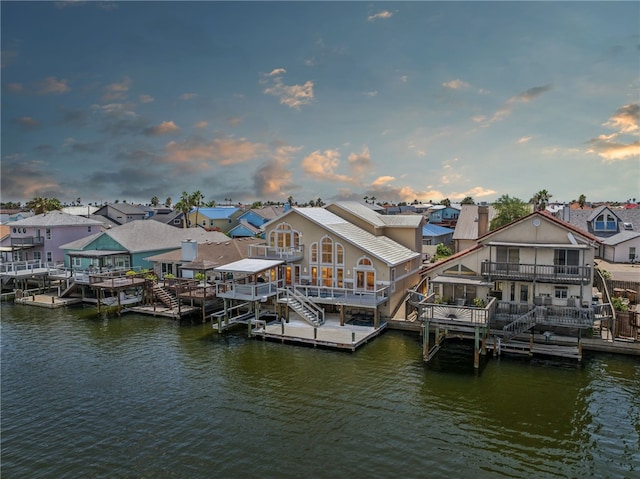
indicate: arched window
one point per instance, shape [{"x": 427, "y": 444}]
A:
[
  {"x": 327, "y": 250},
  {"x": 284, "y": 236},
  {"x": 314, "y": 252},
  {"x": 339, "y": 254},
  {"x": 606, "y": 222},
  {"x": 365, "y": 274}
]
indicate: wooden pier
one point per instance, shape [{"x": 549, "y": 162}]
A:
[
  {"x": 330, "y": 335},
  {"x": 49, "y": 301}
]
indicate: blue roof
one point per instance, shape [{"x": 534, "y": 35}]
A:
[
  {"x": 435, "y": 230},
  {"x": 216, "y": 213}
]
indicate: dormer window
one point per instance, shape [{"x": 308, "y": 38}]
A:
[{"x": 605, "y": 222}]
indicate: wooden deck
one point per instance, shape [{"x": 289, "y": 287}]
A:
[
  {"x": 330, "y": 334},
  {"x": 50, "y": 301},
  {"x": 160, "y": 309}
]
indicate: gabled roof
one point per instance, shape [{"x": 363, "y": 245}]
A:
[
  {"x": 620, "y": 238},
  {"x": 267, "y": 212},
  {"x": 435, "y": 230},
  {"x": 56, "y": 218},
  {"x": 218, "y": 253},
  {"x": 217, "y": 213},
  {"x": 598, "y": 211},
  {"x": 381, "y": 247},
  {"x": 467, "y": 224},
  {"x": 377, "y": 220},
  {"x": 586, "y": 235},
  {"x": 246, "y": 225},
  {"x": 143, "y": 235},
  {"x": 126, "y": 208}
]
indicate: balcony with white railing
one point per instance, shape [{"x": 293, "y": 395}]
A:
[
  {"x": 344, "y": 296},
  {"x": 542, "y": 273},
  {"x": 454, "y": 314},
  {"x": 289, "y": 253},
  {"x": 248, "y": 291}
]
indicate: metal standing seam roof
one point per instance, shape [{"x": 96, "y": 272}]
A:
[{"x": 381, "y": 247}]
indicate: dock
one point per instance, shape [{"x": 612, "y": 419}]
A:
[
  {"x": 329, "y": 335},
  {"x": 49, "y": 301}
]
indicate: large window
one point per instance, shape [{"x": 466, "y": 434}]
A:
[
  {"x": 566, "y": 261},
  {"x": 327, "y": 251},
  {"x": 365, "y": 275},
  {"x": 605, "y": 222},
  {"x": 284, "y": 236}
]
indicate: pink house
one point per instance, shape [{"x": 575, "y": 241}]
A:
[{"x": 39, "y": 237}]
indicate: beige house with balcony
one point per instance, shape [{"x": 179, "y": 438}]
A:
[{"x": 343, "y": 259}]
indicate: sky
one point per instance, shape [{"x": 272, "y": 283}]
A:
[{"x": 262, "y": 101}]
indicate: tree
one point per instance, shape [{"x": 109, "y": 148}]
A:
[
  {"x": 184, "y": 205},
  {"x": 41, "y": 205},
  {"x": 167, "y": 202},
  {"x": 155, "y": 201},
  {"x": 196, "y": 200},
  {"x": 446, "y": 202},
  {"x": 210, "y": 204},
  {"x": 366, "y": 199},
  {"x": 468, "y": 201},
  {"x": 581, "y": 201},
  {"x": 540, "y": 200},
  {"x": 319, "y": 203},
  {"x": 290, "y": 200},
  {"x": 508, "y": 209}
]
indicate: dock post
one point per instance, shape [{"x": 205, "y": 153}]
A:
[
  {"x": 353, "y": 336},
  {"x": 476, "y": 348},
  {"x": 219, "y": 324},
  {"x": 341, "y": 314},
  {"x": 315, "y": 333},
  {"x": 483, "y": 342},
  {"x": 531, "y": 345},
  {"x": 425, "y": 341}
]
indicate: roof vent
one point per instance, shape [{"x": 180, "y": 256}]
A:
[{"x": 628, "y": 226}]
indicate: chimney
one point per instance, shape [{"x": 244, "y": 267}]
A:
[
  {"x": 483, "y": 220},
  {"x": 189, "y": 250}
]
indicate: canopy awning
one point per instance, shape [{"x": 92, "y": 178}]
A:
[{"x": 249, "y": 266}]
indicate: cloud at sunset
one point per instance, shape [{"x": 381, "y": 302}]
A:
[
  {"x": 51, "y": 85},
  {"x": 293, "y": 96},
  {"x": 221, "y": 151},
  {"x": 164, "y": 128},
  {"x": 322, "y": 165},
  {"x": 274, "y": 179}
]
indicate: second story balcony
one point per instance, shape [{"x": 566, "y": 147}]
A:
[
  {"x": 26, "y": 241},
  {"x": 542, "y": 273},
  {"x": 288, "y": 254}
]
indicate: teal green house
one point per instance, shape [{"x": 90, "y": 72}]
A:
[{"x": 128, "y": 246}]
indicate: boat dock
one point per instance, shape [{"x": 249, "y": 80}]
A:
[
  {"x": 49, "y": 301},
  {"x": 329, "y": 335}
]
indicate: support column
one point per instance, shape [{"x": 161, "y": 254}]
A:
[
  {"x": 226, "y": 312},
  {"x": 342, "y": 315},
  {"x": 476, "y": 348},
  {"x": 425, "y": 341}
]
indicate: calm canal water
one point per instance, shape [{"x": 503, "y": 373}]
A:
[{"x": 141, "y": 397}]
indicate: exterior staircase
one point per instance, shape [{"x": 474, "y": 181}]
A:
[
  {"x": 72, "y": 287},
  {"x": 306, "y": 308},
  {"x": 520, "y": 325},
  {"x": 168, "y": 299}
]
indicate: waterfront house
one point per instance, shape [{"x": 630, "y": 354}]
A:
[
  {"x": 444, "y": 215},
  {"x": 618, "y": 230},
  {"x": 353, "y": 262},
  {"x": 39, "y": 237},
  {"x": 5, "y": 243},
  {"x": 220, "y": 218},
  {"x": 536, "y": 272},
  {"x": 168, "y": 216},
  {"x": 128, "y": 246},
  {"x": 121, "y": 213},
  {"x": 244, "y": 229}
]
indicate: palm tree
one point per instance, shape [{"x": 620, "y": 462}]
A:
[
  {"x": 167, "y": 202},
  {"x": 41, "y": 205},
  {"x": 468, "y": 201},
  {"x": 540, "y": 200},
  {"x": 184, "y": 205},
  {"x": 366, "y": 199},
  {"x": 582, "y": 199},
  {"x": 196, "y": 200},
  {"x": 155, "y": 201}
]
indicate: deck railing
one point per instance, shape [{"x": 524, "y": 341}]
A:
[
  {"x": 457, "y": 314},
  {"x": 27, "y": 241},
  {"x": 537, "y": 272},
  {"x": 291, "y": 253},
  {"x": 248, "y": 291},
  {"x": 334, "y": 295},
  {"x": 14, "y": 267}
]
